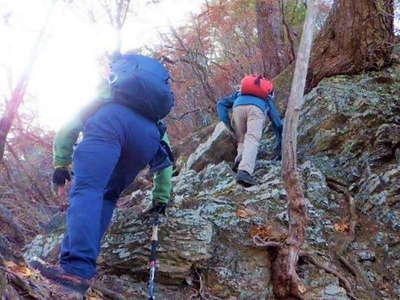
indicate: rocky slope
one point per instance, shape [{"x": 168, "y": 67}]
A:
[{"x": 349, "y": 151}]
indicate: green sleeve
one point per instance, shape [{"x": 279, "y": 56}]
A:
[
  {"x": 163, "y": 182},
  {"x": 64, "y": 142}
]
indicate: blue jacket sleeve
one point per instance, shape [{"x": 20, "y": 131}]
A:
[
  {"x": 223, "y": 107},
  {"x": 276, "y": 121}
]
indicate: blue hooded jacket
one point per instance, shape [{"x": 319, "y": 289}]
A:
[{"x": 267, "y": 106}]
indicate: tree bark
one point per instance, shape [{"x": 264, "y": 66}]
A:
[
  {"x": 284, "y": 278},
  {"x": 274, "y": 37},
  {"x": 17, "y": 95},
  {"x": 358, "y": 36}
]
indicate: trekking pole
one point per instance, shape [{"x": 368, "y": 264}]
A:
[{"x": 153, "y": 255}]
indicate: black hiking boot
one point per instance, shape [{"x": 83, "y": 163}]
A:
[
  {"x": 68, "y": 281},
  {"x": 235, "y": 166},
  {"x": 245, "y": 179}
]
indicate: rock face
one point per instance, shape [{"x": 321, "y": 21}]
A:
[
  {"x": 350, "y": 128},
  {"x": 184, "y": 241},
  {"x": 220, "y": 146},
  {"x": 208, "y": 233},
  {"x": 349, "y": 149}
]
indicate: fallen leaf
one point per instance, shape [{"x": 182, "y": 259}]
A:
[
  {"x": 380, "y": 62},
  {"x": 23, "y": 271},
  {"x": 263, "y": 232},
  {"x": 241, "y": 213},
  {"x": 341, "y": 227},
  {"x": 18, "y": 269},
  {"x": 94, "y": 298},
  {"x": 93, "y": 294}
]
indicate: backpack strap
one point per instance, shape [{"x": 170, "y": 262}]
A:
[{"x": 162, "y": 128}]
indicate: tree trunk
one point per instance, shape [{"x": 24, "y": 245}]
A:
[
  {"x": 358, "y": 36},
  {"x": 285, "y": 280},
  {"x": 17, "y": 95},
  {"x": 274, "y": 37}
]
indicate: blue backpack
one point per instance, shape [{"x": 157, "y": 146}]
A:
[{"x": 141, "y": 83}]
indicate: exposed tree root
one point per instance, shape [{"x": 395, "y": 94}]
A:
[
  {"x": 352, "y": 213},
  {"x": 107, "y": 292},
  {"x": 23, "y": 286},
  {"x": 194, "y": 295},
  {"x": 343, "y": 244},
  {"x": 360, "y": 278},
  {"x": 330, "y": 269},
  {"x": 201, "y": 292},
  {"x": 296, "y": 289},
  {"x": 201, "y": 289},
  {"x": 260, "y": 242},
  {"x": 348, "y": 265},
  {"x": 286, "y": 283}
]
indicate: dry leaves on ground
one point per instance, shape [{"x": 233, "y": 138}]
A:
[
  {"x": 263, "y": 232},
  {"x": 20, "y": 270}
]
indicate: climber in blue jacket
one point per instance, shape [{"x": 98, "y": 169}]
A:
[
  {"x": 259, "y": 107},
  {"x": 122, "y": 134}
]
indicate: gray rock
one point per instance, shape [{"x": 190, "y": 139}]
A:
[
  {"x": 220, "y": 146},
  {"x": 366, "y": 255},
  {"x": 334, "y": 292},
  {"x": 45, "y": 247}
]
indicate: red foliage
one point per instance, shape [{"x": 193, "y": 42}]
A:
[
  {"x": 207, "y": 56},
  {"x": 25, "y": 175}
]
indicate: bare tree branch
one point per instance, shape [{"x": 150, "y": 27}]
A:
[
  {"x": 19, "y": 91},
  {"x": 178, "y": 118}
]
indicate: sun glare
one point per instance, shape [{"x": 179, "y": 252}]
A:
[{"x": 67, "y": 71}]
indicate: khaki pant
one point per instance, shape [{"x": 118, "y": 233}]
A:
[{"x": 248, "y": 123}]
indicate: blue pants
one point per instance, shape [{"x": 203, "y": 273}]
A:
[{"x": 117, "y": 144}]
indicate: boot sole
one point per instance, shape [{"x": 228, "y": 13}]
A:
[
  {"x": 74, "y": 287},
  {"x": 245, "y": 184},
  {"x": 68, "y": 284}
]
